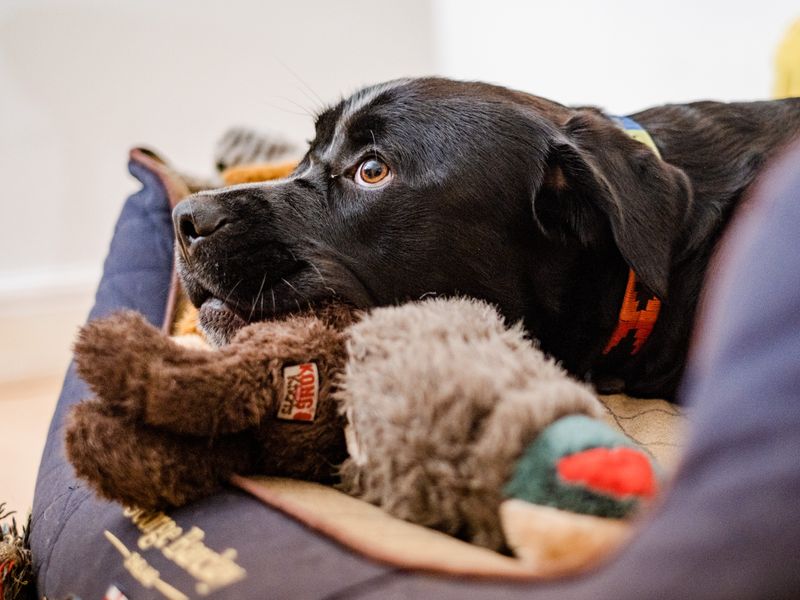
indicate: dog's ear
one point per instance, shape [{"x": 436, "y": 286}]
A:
[{"x": 597, "y": 179}]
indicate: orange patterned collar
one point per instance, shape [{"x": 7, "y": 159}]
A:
[{"x": 637, "y": 317}]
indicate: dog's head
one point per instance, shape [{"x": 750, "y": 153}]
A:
[{"x": 430, "y": 186}]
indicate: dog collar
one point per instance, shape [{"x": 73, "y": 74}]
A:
[{"x": 640, "y": 307}]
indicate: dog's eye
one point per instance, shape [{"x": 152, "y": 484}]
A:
[{"x": 372, "y": 173}]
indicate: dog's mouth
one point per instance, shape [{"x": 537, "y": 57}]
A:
[
  {"x": 218, "y": 321},
  {"x": 225, "y": 307},
  {"x": 221, "y": 316}
]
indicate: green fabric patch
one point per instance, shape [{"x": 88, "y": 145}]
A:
[{"x": 536, "y": 480}]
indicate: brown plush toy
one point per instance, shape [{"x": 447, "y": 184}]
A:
[{"x": 171, "y": 423}]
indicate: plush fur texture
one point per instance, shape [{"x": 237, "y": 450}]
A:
[
  {"x": 442, "y": 399},
  {"x": 171, "y": 423}
]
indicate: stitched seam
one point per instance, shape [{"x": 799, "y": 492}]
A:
[{"x": 64, "y": 521}]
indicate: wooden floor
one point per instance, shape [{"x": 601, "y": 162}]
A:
[{"x": 25, "y": 411}]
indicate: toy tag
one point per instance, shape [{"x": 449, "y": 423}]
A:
[{"x": 300, "y": 393}]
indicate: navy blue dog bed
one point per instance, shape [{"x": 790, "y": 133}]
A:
[{"x": 729, "y": 528}]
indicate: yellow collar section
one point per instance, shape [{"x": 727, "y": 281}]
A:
[{"x": 637, "y": 132}]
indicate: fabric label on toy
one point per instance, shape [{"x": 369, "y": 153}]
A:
[{"x": 300, "y": 393}]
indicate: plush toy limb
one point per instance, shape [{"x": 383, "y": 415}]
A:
[
  {"x": 141, "y": 466},
  {"x": 557, "y": 542},
  {"x": 582, "y": 465},
  {"x": 113, "y": 354},
  {"x": 140, "y": 373},
  {"x": 577, "y": 472}
]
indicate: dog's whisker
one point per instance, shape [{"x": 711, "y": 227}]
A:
[
  {"x": 293, "y": 73},
  {"x": 296, "y": 291},
  {"x": 184, "y": 248},
  {"x": 306, "y": 112},
  {"x": 345, "y": 275},
  {"x": 233, "y": 289},
  {"x": 283, "y": 109},
  {"x": 274, "y": 307},
  {"x": 317, "y": 103},
  {"x": 374, "y": 145},
  {"x": 322, "y": 279},
  {"x": 255, "y": 302}
]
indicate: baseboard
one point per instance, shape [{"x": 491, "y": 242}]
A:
[{"x": 40, "y": 311}]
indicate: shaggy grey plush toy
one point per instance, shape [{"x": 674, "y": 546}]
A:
[{"x": 442, "y": 398}]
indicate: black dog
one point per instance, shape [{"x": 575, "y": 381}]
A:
[{"x": 431, "y": 186}]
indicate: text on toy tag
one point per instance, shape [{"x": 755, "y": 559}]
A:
[{"x": 300, "y": 393}]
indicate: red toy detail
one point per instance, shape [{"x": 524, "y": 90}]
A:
[{"x": 612, "y": 471}]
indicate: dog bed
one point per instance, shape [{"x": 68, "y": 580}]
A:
[{"x": 232, "y": 545}]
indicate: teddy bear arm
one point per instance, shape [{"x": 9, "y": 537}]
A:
[
  {"x": 142, "y": 466},
  {"x": 229, "y": 395},
  {"x": 129, "y": 364},
  {"x": 208, "y": 393},
  {"x": 242, "y": 386}
]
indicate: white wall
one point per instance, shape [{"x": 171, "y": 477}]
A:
[
  {"x": 622, "y": 55},
  {"x": 81, "y": 81}
]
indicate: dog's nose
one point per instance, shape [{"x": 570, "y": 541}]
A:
[{"x": 196, "y": 218}]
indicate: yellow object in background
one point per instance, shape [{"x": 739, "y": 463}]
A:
[
  {"x": 258, "y": 172},
  {"x": 787, "y": 64}
]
